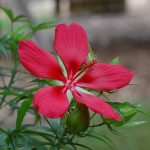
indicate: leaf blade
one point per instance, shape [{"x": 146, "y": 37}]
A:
[{"x": 22, "y": 112}]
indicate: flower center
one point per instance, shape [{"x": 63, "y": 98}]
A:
[
  {"x": 69, "y": 84},
  {"x": 71, "y": 81}
]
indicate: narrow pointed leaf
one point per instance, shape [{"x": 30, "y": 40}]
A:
[
  {"x": 8, "y": 12},
  {"x": 132, "y": 124},
  {"x": 20, "y": 18},
  {"x": 126, "y": 110},
  {"x": 115, "y": 61},
  {"x": 22, "y": 112},
  {"x": 102, "y": 138},
  {"x": 91, "y": 55}
]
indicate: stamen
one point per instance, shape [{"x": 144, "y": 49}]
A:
[
  {"x": 89, "y": 64},
  {"x": 86, "y": 66}
]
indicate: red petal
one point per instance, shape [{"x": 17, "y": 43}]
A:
[
  {"x": 106, "y": 77},
  {"x": 96, "y": 104},
  {"x": 38, "y": 61},
  {"x": 71, "y": 44},
  {"x": 51, "y": 101}
]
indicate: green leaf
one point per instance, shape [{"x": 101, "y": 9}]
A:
[
  {"x": 4, "y": 46},
  {"x": 2, "y": 130},
  {"x": 22, "y": 112},
  {"x": 41, "y": 134},
  {"x": 20, "y": 18},
  {"x": 28, "y": 142},
  {"x": 9, "y": 44},
  {"x": 132, "y": 124},
  {"x": 4, "y": 51},
  {"x": 54, "y": 148},
  {"x": 36, "y": 115},
  {"x": 8, "y": 12},
  {"x": 102, "y": 138},
  {"x": 21, "y": 33},
  {"x": 9, "y": 102},
  {"x": 115, "y": 61},
  {"x": 84, "y": 146},
  {"x": 73, "y": 103},
  {"x": 91, "y": 55},
  {"x": 69, "y": 148},
  {"x": 9, "y": 93},
  {"x": 126, "y": 110},
  {"x": 43, "y": 25},
  {"x": 55, "y": 124}
]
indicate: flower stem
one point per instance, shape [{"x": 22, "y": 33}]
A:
[{"x": 51, "y": 127}]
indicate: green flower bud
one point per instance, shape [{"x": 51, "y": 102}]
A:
[{"x": 78, "y": 120}]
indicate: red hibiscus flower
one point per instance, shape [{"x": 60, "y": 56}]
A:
[{"x": 71, "y": 45}]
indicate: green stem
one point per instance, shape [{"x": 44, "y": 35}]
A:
[
  {"x": 11, "y": 81},
  {"x": 106, "y": 97},
  {"x": 97, "y": 125},
  {"x": 51, "y": 127}
]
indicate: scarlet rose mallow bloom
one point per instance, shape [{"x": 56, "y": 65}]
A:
[{"x": 71, "y": 45}]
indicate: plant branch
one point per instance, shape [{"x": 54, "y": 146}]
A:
[{"x": 97, "y": 125}]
